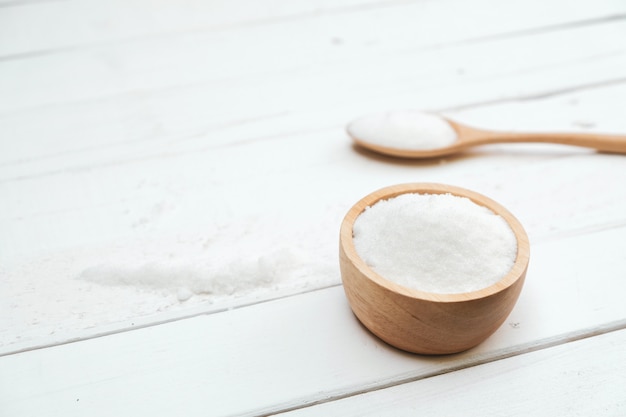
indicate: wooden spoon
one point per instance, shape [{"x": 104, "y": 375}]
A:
[{"x": 467, "y": 137}]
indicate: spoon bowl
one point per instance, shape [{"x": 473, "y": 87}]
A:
[{"x": 381, "y": 138}]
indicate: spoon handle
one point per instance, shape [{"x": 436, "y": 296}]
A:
[{"x": 601, "y": 142}]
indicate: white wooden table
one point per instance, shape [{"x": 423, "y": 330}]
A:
[{"x": 173, "y": 175}]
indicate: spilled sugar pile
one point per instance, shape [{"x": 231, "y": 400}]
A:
[
  {"x": 201, "y": 278},
  {"x": 84, "y": 291}
]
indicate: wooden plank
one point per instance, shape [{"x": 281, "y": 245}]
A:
[
  {"x": 586, "y": 377},
  {"x": 303, "y": 349},
  {"x": 23, "y": 29},
  {"x": 79, "y": 23}
]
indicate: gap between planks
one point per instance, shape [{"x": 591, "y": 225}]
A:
[
  {"x": 148, "y": 321},
  {"x": 480, "y": 360},
  {"x": 312, "y": 14},
  {"x": 574, "y": 376},
  {"x": 538, "y": 96},
  {"x": 19, "y": 3},
  {"x": 546, "y": 326},
  {"x": 174, "y": 154},
  {"x": 212, "y": 28},
  {"x": 204, "y": 310},
  {"x": 533, "y": 31}
]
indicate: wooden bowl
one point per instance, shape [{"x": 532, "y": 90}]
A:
[{"x": 424, "y": 322}]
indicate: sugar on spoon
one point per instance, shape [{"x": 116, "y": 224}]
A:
[{"x": 415, "y": 134}]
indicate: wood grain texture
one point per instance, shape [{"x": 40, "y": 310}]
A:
[{"x": 423, "y": 322}]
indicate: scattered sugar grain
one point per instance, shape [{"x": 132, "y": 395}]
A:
[
  {"x": 437, "y": 243},
  {"x": 183, "y": 294},
  {"x": 411, "y": 130}
]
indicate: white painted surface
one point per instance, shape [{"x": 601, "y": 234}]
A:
[
  {"x": 581, "y": 378},
  {"x": 205, "y": 135},
  {"x": 304, "y": 349}
]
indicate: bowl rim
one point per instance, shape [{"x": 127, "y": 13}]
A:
[{"x": 516, "y": 272}]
